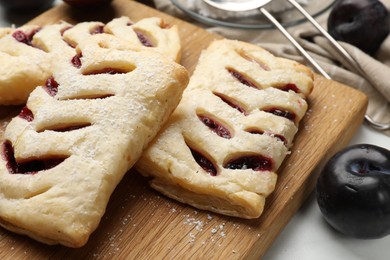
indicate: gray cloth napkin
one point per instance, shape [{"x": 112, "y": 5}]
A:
[{"x": 375, "y": 83}]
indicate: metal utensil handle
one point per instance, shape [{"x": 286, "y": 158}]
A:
[
  {"x": 374, "y": 124},
  {"x": 294, "y": 42},
  {"x": 338, "y": 47},
  {"x": 345, "y": 54}
]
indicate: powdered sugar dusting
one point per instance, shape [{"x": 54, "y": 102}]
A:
[{"x": 207, "y": 229}]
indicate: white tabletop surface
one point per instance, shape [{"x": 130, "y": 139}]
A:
[{"x": 307, "y": 236}]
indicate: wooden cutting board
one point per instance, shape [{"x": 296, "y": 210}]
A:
[{"x": 142, "y": 224}]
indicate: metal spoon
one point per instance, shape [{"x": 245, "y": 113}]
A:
[
  {"x": 237, "y": 5},
  {"x": 247, "y": 5}
]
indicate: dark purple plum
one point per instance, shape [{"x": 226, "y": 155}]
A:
[
  {"x": 362, "y": 23},
  {"x": 25, "y": 5},
  {"x": 353, "y": 191}
]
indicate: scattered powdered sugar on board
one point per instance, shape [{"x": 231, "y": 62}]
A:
[
  {"x": 204, "y": 227},
  {"x": 194, "y": 222}
]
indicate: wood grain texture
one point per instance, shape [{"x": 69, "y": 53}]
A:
[{"x": 141, "y": 224}]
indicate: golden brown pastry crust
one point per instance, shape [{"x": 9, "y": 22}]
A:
[
  {"x": 29, "y": 53},
  {"x": 232, "y": 109},
  {"x": 96, "y": 123}
]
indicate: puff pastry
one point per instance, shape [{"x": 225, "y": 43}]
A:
[
  {"x": 222, "y": 146},
  {"x": 79, "y": 133},
  {"x": 29, "y": 53}
]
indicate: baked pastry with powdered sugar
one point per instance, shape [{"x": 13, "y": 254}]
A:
[
  {"x": 29, "y": 53},
  {"x": 80, "y": 132},
  {"x": 223, "y": 145}
]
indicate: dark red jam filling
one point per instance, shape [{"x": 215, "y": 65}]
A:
[
  {"x": 110, "y": 71},
  {"x": 98, "y": 29},
  {"x": 28, "y": 167},
  {"x": 254, "y": 162},
  {"x": 26, "y": 114},
  {"x": 241, "y": 78},
  {"x": 203, "y": 162},
  {"x": 261, "y": 132},
  {"x": 231, "y": 103},
  {"x": 76, "y": 61},
  {"x": 215, "y": 126},
  {"x": 51, "y": 86},
  {"x": 144, "y": 40},
  {"x": 23, "y": 37},
  {"x": 8, "y": 156},
  {"x": 290, "y": 86},
  {"x": 282, "y": 113}
]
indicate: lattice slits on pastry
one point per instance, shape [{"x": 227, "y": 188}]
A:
[
  {"x": 30, "y": 53},
  {"x": 79, "y": 133},
  {"x": 222, "y": 146}
]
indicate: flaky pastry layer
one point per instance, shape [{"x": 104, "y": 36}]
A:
[
  {"x": 79, "y": 133},
  {"x": 30, "y": 53},
  {"x": 222, "y": 146}
]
